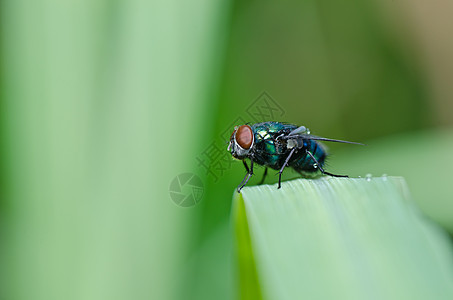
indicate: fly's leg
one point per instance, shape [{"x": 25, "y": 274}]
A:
[
  {"x": 264, "y": 176},
  {"x": 246, "y": 167},
  {"x": 318, "y": 165},
  {"x": 247, "y": 172},
  {"x": 283, "y": 167},
  {"x": 247, "y": 176}
]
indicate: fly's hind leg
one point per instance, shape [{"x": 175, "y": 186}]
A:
[
  {"x": 283, "y": 167},
  {"x": 247, "y": 176},
  {"x": 318, "y": 165}
]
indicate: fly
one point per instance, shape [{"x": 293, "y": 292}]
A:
[{"x": 279, "y": 145}]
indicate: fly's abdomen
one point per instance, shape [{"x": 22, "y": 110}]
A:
[{"x": 303, "y": 161}]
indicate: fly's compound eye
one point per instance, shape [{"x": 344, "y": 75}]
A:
[{"x": 244, "y": 136}]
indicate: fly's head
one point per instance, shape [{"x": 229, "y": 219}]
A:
[{"x": 241, "y": 142}]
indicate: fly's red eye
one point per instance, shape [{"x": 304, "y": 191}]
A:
[{"x": 244, "y": 136}]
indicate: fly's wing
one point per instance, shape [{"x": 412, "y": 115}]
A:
[
  {"x": 319, "y": 138},
  {"x": 299, "y": 130},
  {"x": 298, "y": 139}
]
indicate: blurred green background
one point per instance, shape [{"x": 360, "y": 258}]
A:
[{"x": 104, "y": 103}]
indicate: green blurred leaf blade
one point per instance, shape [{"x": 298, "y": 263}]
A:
[{"x": 338, "y": 238}]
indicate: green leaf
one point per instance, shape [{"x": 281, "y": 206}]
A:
[{"x": 339, "y": 238}]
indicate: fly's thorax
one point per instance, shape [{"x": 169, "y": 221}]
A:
[{"x": 241, "y": 142}]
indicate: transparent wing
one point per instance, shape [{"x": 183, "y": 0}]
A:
[
  {"x": 316, "y": 138},
  {"x": 298, "y": 130}
]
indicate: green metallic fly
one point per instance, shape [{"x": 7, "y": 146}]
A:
[{"x": 278, "y": 145}]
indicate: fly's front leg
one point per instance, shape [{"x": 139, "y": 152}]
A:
[
  {"x": 283, "y": 167},
  {"x": 247, "y": 176},
  {"x": 245, "y": 166},
  {"x": 247, "y": 170},
  {"x": 318, "y": 165}
]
